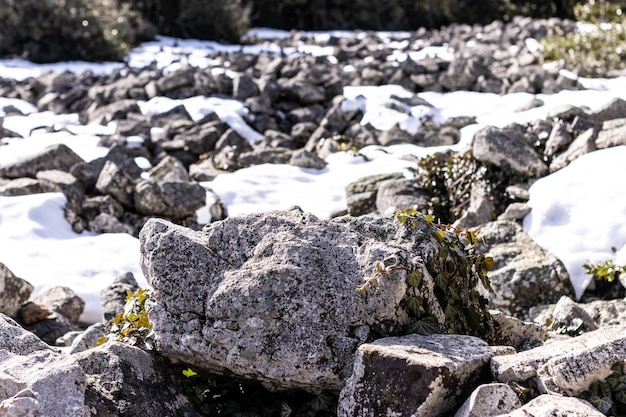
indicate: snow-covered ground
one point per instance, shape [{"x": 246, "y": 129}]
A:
[{"x": 578, "y": 212}]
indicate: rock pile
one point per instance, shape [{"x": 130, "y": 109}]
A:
[{"x": 273, "y": 298}]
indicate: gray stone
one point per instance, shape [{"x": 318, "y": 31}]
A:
[
  {"x": 305, "y": 159},
  {"x": 176, "y": 80},
  {"x": 414, "y": 375},
  {"x": 481, "y": 209},
  {"x": 399, "y": 193},
  {"x": 113, "y": 111},
  {"x": 89, "y": 338},
  {"x": 613, "y": 133},
  {"x": 555, "y": 406},
  {"x": 169, "y": 169},
  {"x": 52, "y": 181},
  {"x": 272, "y": 296},
  {"x": 122, "y": 380},
  {"x": 176, "y": 200},
  {"x": 14, "y": 291},
  {"x": 489, "y": 400},
  {"x": 244, "y": 87},
  {"x": 559, "y": 139},
  {"x": 37, "y": 381},
  {"x": 568, "y": 313},
  {"x": 113, "y": 297},
  {"x": 361, "y": 195},
  {"x": 500, "y": 147},
  {"x": 107, "y": 223},
  {"x": 519, "y": 334},
  {"x": 515, "y": 212},
  {"x": 524, "y": 274},
  {"x": 614, "y": 109},
  {"x": 50, "y": 328},
  {"x": 61, "y": 300},
  {"x": 301, "y": 91},
  {"x": 20, "y": 186},
  {"x": 583, "y": 144},
  {"x": 116, "y": 182},
  {"x": 58, "y": 157},
  {"x": 567, "y": 366},
  {"x": 227, "y": 150}
]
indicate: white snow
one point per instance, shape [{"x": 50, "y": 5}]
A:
[{"x": 578, "y": 212}]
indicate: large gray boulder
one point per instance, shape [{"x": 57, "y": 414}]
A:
[
  {"x": 36, "y": 381},
  {"x": 58, "y": 157},
  {"x": 273, "y": 296}
]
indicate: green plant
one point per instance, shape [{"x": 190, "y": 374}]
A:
[
  {"x": 606, "y": 271},
  {"x": 132, "y": 325},
  {"x": 595, "y": 49},
  {"x": 609, "y": 395},
  {"x": 456, "y": 269}
]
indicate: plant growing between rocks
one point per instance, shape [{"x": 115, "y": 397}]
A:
[
  {"x": 455, "y": 277},
  {"x": 609, "y": 395},
  {"x": 132, "y": 326}
]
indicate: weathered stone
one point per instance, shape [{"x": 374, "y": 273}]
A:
[
  {"x": 123, "y": 380},
  {"x": 301, "y": 91},
  {"x": 517, "y": 333},
  {"x": 495, "y": 145},
  {"x": 413, "y": 375},
  {"x": 583, "y": 144},
  {"x": 175, "y": 80},
  {"x": 524, "y": 274},
  {"x": 202, "y": 138},
  {"x": 228, "y": 148},
  {"x": 37, "y": 381},
  {"x": 107, "y": 223},
  {"x": 306, "y": 159},
  {"x": 113, "y": 297},
  {"x": 101, "y": 204},
  {"x": 612, "y": 134},
  {"x": 567, "y": 366},
  {"x": 31, "y": 313},
  {"x": 559, "y": 139},
  {"x": 481, "y": 209},
  {"x": 566, "y": 112},
  {"x": 58, "y": 157},
  {"x": 204, "y": 170},
  {"x": 117, "y": 183},
  {"x": 555, "y": 406},
  {"x": 176, "y": 200},
  {"x": 399, "y": 193},
  {"x": 489, "y": 400},
  {"x": 20, "y": 186},
  {"x": 114, "y": 111},
  {"x": 13, "y": 291},
  {"x": 50, "y": 328},
  {"x": 265, "y": 156},
  {"x": 169, "y": 169},
  {"x": 272, "y": 296},
  {"x": 361, "y": 194},
  {"x": 89, "y": 338},
  {"x": 568, "y": 313},
  {"x": 244, "y": 87},
  {"x": 515, "y": 212},
  {"x": 59, "y": 181},
  {"x": 614, "y": 109},
  {"x": 61, "y": 300}
]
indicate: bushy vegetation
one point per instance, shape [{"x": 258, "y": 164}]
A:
[
  {"x": 597, "y": 48},
  {"x": 56, "y": 30}
]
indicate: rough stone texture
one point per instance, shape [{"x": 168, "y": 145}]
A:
[
  {"x": 116, "y": 182},
  {"x": 123, "y": 380},
  {"x": 555, "y": 406},
  {"x": 52, "y": 157},
  {"x": 567, "y": 366},
  {"x": 14, "y": 291},
  {"x": 413, "y": 375},
  {"x": 51, "y": 327},
  {"x": 401, "y": 193},
  {"x": 89, "y": 338},
  {"x": 614, "y": 109},
  {"x": 481, "y": 208},
  {"x": 566, "y": 311},
  {"x": 498, "y": 146},
  {"x": 20, "y": 186},
  {"x": 583, "y": 144},
  {"x": 559, "y": 139},
  {"x": 489, "y": 400},
  {"x": 62, "y": 300},
  {"x": 36, "y": 381},
  {"x": 613, "y": 133},
  {"x": 517, "y": 333},
  {"x": 361, "y": 194},
  {"x": 524, "y": 274},
  {"x": 515, "y": 212},
  {"x": 272, "y": 296},
  {"x": 113, "y": 297},
  {"x": 176, "y": 200}
]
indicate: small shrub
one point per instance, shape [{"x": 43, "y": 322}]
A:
[
  {"x": 595, "y": 50},
  {"x": 132, "y": 326},
  {"x": 213, "y": 19},
  {"x": 605, "y": 271},
  {"x": 62, "y": 30}
]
